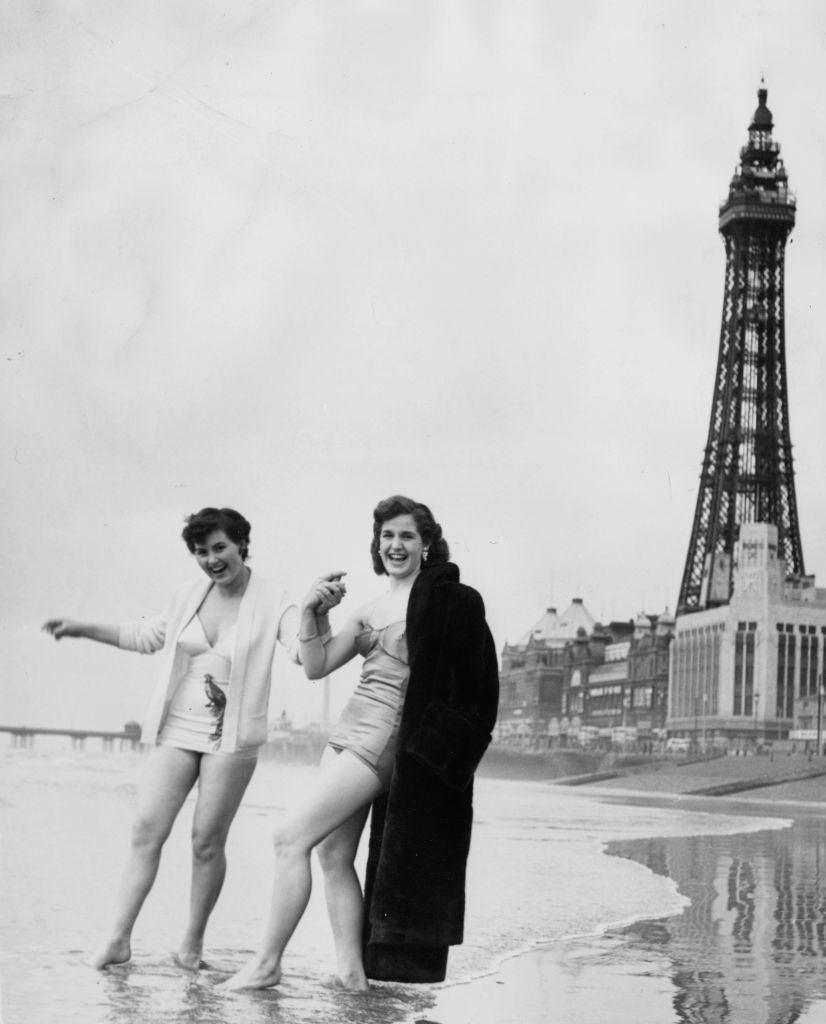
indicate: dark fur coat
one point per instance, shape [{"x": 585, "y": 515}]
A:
[{"x": 420, "y": 829}]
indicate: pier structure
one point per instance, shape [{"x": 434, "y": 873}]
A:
[
  {"x": 23, "y": 736},
  {"x": 284, "y": 742}
]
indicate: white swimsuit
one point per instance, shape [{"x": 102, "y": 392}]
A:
[{"x": 195, "y": 717}]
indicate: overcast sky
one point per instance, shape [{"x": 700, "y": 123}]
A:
[{"x": 295, "y": 257}]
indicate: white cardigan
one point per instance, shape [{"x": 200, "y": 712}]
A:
[{"x": 266, "y": 616}]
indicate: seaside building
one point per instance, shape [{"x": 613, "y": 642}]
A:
[
  {"x": 530, "y": 680},
  {"x": 570, "y": 681},
  {"x": 615, "y": 693},
  {"x": 752, "y": 669},
  {"x": 747, "y": 661}
]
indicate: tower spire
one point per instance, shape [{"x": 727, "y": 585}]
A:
[{"x": 747, "y": 473}]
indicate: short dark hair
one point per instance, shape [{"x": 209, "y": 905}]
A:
[
  {"x": 201, "y": 524},
  {"x": 429, "y": 530}
]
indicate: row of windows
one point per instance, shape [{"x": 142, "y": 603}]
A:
[
  {"x": 746, "y": 627},
  {"x": 692, "y": 634},
  {"x": 520, "y": 661},
  {"x": 695, "y": 667},
  {"x": 649, "y": 665},
  {"x": 606, "y": 703},
  {"x": 799, "y": 670},
  {"x": 517, "y": 692},
  {"x": 695, "y": 670},
  {"x": 576, "y": 704},
  {"x": 513, "y": 694},
  {"x": 609, "y": 699},
  {"x": 744, "y": 697},
  {"x": 645, "y": 666}
]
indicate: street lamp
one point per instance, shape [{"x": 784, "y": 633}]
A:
[
  {"x": 819, "y": 714},
  {"x": 756, "y": 705}
]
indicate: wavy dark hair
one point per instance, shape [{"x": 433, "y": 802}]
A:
[
  {"x": 201, "y": 524},
  {"x": 429, "y": 530}
]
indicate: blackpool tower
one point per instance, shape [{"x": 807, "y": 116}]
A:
[{"x": 747, "y": 474}]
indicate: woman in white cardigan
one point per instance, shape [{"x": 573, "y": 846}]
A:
[{"x": 206, "y": 719}]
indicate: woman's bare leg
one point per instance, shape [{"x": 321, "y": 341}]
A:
[
  {"x": 344, "y": 786},
  {"x": 221, "y": 785},
  {"x": 345, "y": 901},
  {"x": 168, "y": 776}
]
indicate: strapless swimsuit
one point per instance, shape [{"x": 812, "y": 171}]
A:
[{"x": 369, "y": 723}]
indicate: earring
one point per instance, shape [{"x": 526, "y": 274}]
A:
[{"x": 424, "y": 554}]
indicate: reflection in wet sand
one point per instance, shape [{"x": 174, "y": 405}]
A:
[{"x": 750, "y": 948}]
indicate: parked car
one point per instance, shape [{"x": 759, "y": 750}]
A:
[{"x": 677, "y": 745}]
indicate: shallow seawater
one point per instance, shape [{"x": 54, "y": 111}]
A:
[{"x": 538, "y": 873}]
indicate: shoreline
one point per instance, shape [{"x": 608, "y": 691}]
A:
[
  {"x": 518, "y": 965},
  {"x": 566, "y": 979}
]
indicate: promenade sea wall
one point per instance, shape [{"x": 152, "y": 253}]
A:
[{"x": 507, "y": 762}]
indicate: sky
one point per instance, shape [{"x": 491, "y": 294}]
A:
[{"x": 296, "y": 257}]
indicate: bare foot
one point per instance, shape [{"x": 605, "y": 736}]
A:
[
  {"x": 256, "y": 974},
  {"x": 189, "y": 959},
  {"x": 353, "y": 981},
  {"x": 111, "y": 953}
]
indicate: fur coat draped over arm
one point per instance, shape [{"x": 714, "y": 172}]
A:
[{"x": 420, "y": 829}]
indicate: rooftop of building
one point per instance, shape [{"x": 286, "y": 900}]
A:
[
  {"x": 576, "y": 622},
  {"x": 554, "y": 628}
]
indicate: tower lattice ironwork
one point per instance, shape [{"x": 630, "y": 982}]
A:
[{"x": 747, "y": 473}]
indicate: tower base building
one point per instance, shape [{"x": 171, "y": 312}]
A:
[{"x": 751, "y": 671}]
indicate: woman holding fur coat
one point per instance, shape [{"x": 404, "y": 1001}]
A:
[{"x": 408, "y": 743}]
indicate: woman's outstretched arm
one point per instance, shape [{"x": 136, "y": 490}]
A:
[
  {"x": 145, "y": 635},
  {"x": 58, "y": 628}
]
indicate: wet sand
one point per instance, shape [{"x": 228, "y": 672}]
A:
[
  {"x": 749, "y": 949},
  {"x": 537, "y": 872}
]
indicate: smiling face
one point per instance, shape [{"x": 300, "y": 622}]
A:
[
  {"x": 400, "y": 546},
  {"x": 220, "y": 558}
]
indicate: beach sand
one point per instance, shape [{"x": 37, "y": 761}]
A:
[{"x": 750, "y": 948}]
